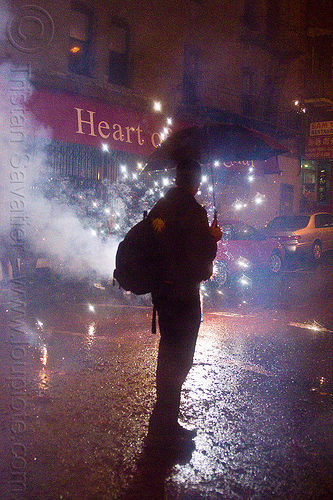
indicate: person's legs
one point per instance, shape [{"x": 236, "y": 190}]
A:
[{"x": 179, "y": 323}]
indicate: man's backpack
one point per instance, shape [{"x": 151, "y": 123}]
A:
[{"x": 137, "y": 259}]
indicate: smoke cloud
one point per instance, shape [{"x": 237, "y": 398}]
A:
[{"x": 48, "y": 228}]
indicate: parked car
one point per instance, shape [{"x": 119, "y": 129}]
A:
[
  {"x": 308, "y": 234},
  {"x": 243, "y": 249}
]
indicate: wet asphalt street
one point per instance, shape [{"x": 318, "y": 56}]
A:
[{"x": 79, "y": 392}]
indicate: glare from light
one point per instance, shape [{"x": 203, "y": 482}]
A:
[
  {"x": 204, "y": 178},
  {"x": 210, "y": 188},
  {"x": 169, "y": 121},
  {"x": 216, "y": 163},
  {"x": 135, "y": 176},
  {"x": 296, "y": 102},
  {"x": 93, "y": 232},
  {"x": 107, "y": 211},
  {"x": 91, "y": 308},
  {"x": 139, "y": 166},
  {"x": 250, "y": 178},
  {"x": 75, "y": 49},
  {"x": 105, "y": 147},
  {"x": 123, "y": 168},
  {"x": 165, "y": 181}
]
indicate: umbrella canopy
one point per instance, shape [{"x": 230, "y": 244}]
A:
[{"x": 225, "y": 142}]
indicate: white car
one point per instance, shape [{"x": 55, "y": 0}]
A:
[{"x": 309, "y": 234}]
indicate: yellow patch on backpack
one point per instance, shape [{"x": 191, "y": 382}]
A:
[{"x": 158, "y": 225}]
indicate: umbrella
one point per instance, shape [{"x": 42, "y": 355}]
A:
[{"x": 222, "y": 141}]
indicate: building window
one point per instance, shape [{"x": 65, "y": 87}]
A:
[
  {"x": 119, "y": 53},
  {"x": 80, "y": 39}
]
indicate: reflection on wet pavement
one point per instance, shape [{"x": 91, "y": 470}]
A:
[{"x": 260, "y": 394}]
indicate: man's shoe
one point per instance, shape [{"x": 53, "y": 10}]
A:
[{"x": 185, "y": 434}]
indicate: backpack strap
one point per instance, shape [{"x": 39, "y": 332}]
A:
[{"x": 153, "y": 322}]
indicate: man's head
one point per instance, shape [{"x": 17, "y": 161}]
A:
[{"x": 188, "y": 175}]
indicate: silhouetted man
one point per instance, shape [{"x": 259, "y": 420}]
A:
[{"x": 188, "y": 247}]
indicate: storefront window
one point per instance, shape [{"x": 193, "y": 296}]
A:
[{"x": 315, "y": 185}]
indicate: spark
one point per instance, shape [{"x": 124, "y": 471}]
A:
[
  {"x": 238, "y": 205},
  {"x": 105, "y": 147},
  {"x": 243, "y": 263},
  {"x": 92, "y": 329},
  {"x": 216, "y": 163},
  {"x": 43, "y": 357},
  {"x": 157, "y": 106},
  {"x": 258, "y": 199},
  {"x": 169, "y": 121},
  {"x": 244, "y": 281},
  {"x": 91, "y": 308},
  {"x": 314, "y": 326}
]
